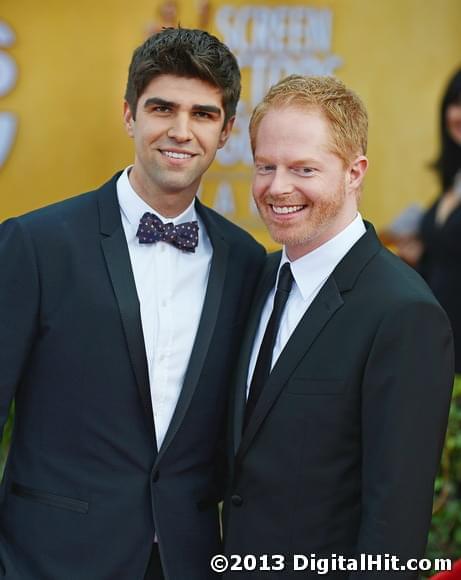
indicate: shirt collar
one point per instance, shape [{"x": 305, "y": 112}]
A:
[
  {"x": 313, "y": 269},
  {"x": 134, "y": 207}
]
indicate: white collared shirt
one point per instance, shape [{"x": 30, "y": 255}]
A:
[
  {"x": 310, "y": 272},
  {"x": 171, "y": 286}
]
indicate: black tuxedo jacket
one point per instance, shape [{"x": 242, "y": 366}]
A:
[
  {"x": 85, "y": 488},
  {"x": 341, "y": 451}
]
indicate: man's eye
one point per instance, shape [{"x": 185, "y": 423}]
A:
[
  {"x": 264, "y": 169},
  {"x": 303, "y": 170},
  {"x": 161, "y": 109},
  {"x": 202, "y": 114}
]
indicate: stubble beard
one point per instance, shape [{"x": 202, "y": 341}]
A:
[{"x": 321, "y": 216}]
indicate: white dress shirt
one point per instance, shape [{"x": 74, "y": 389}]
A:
[
  {"x": 310, "y": 273},
  {"x": 171, "y": 286}
]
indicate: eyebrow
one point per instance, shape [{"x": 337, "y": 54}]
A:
[
  {"x": 262, "y": 160},
  {"x": 207, "y": 109},
  {"x": 306, "y": 161},
  {"x": 170, "y": 104},
  {"x": 157, "y": 101}
]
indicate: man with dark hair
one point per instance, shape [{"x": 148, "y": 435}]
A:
[
  {"x": 121, "y": 316},
  {"x": 189, "y": 54}
]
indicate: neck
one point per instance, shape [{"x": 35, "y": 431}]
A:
[
  {"x": 168, "y": 205},
  {"x": 296, "y": 251}
]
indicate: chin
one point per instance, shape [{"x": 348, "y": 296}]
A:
[
  {"x": 288, "y": 238},
  {"x": 177, "y": 186}
]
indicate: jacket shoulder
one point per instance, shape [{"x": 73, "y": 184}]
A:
[
  {"x": 232, "y": 232},
  {"x": 394, "y": 280},
  {"x": 79, "y": 210},
  {"x": 65, "y": 209}
]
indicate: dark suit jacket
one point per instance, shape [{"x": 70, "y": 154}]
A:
[
  {"x": 84, "y": 489},
  {"x": 343, "y": 446}
]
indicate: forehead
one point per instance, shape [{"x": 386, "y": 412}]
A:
[
  {"x": 183, "y": 91},
  {"x": 290, "y": 129}
]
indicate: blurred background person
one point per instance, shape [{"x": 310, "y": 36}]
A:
[
  {"x": 430, "y": 241},
  {"x": 440, "y": 229}
]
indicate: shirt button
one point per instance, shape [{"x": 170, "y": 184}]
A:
[
  {"x": 164, "y": 303},
  {"x": 162, "y": 247}
]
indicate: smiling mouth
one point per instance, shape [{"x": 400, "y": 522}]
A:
[
  {"x": 176, "y": 155},
  {"x": 286, "y": 209}
]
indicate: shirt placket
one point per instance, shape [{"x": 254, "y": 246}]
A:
[{"x": 164, "y": 336}]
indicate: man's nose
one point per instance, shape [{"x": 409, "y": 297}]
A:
[
  {"x": 282, "y": 182},
  {"x": 180, "y": 129}
]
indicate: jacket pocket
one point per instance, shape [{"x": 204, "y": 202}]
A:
[{"x": 59, "y": 501}]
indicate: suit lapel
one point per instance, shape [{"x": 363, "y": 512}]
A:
[
  {"x": 326, "y": 303},
  {"x": 240, "y": 393},
  {"x": 118, "y": 262},
  {"x": 211, "y": 307},
  {"x": 321, "y": 310}
]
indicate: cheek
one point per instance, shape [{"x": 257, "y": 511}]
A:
[
  {"x": 258, "y": 186},
  {"x": 141, "y": 135},
  {"x": 210, "y": 138},
  {"x": 454, "y": 112},
  {"x": 453, "y": 119}
]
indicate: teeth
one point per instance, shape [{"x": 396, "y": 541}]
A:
[
  {"x": 175, "y": 155},
  {"x": 287, "y": 208}
]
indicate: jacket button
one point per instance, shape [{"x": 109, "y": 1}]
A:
[
  {"x": 156, "y": 476},
  {"x": 237, "y": 500}
]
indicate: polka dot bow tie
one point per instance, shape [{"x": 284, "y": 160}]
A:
[{"x": 183, "y": 236}]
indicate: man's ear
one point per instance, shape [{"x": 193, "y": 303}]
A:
[
  {"x": 356, "y": 172},
  {"x": 225, "y": 132},
  {"x": 128, "y": 118}
]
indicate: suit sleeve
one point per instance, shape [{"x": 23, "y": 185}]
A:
[
  {"x": 19, "y": 299},
  {"x": 406, "y": 395}
]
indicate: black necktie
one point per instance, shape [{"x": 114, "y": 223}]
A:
[
  {"x": 183, "y": 236},
  {"x": 264, "y": 360}
]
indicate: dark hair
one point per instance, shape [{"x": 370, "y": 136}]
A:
[
  {"x": 448, "y": 163},
  {"x": 185, "y": 53}
]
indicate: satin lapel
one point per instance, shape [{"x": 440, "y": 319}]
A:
[
  {"x": 240, "y": 392},
  {"x": 321, "y": 310},
  {"x": 118, "y": 262},
  {"x": 210, "y": 311}
]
